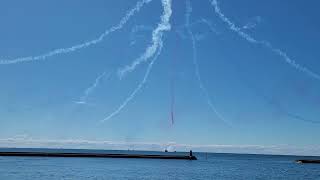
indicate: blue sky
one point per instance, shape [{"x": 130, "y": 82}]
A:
[{"x": 265, "y": 100}]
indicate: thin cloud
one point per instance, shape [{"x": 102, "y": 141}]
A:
[{"x": 28, "y": 142}]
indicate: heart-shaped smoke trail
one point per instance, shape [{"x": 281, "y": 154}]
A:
[
  {"x": 157, "y": 34},
  {"x": 152, "y": 51},
  {"x": 137, "y": 89}
]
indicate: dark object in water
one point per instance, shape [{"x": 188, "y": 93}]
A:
[
  {"x": 308, "y": 161},
  {"x": 95, "y": 155}
]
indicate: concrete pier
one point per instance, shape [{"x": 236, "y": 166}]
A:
[{"x": 96, "y": 155}]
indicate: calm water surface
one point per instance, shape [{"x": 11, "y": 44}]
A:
[{"x": 215, "y": 166}]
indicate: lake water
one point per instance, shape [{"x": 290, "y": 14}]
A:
[{"x": 210, "y": 166}]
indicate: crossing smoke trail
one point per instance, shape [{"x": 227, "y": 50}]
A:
[
  {"x": 200, "y": 21},
  {"x": 157, "y": 34},
  {"x": 196, "y": 65},
  {"x": 250, "y": 39},
  {"x": 209, "y": 24},
  {"x": 137, "y": 89},
  {"x": 122, "y": 22},
  {"x": 89, "y": 90}
]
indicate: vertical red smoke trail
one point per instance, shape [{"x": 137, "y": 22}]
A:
[
  {"x": 172, "y": 90},
  {"x": 172, "y": 98}
]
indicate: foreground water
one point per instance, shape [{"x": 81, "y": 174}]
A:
[{"x": 208, "y": 166}]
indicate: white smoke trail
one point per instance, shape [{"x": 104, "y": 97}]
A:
[
  {"x": 122, "y": 22},
  {"x": 137, "y": 89},
  {"x": 252, "y": 24},
  {"x": 180, "y": 29},
  {"x": 89, "y": 90},
  {"x": 209, "y": 24},
  {"x": 202, "y": 21},
  {"x": 249, "y": 25},
  {"x": 196, "y": 64},
  {"x": 250, "y": 39},
  {"x": 135, "y": 30},
  {"x": 138, "y": 28},
  {"x": 157, "y": 34}
]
